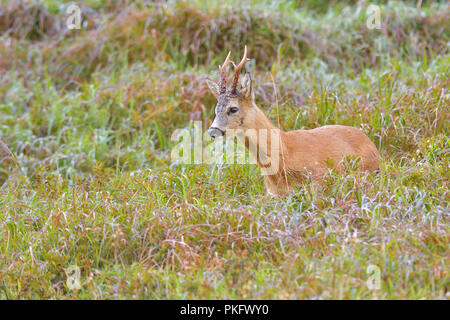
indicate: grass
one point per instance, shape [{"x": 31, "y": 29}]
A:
[{"x": 86, "y": 177}]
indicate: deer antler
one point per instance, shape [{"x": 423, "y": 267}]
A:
[
  {"x": 223, "y": 74},
  {"x": 237, "y": 70}
]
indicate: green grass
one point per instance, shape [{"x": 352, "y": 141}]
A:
[{"x": 86, "y": 178}]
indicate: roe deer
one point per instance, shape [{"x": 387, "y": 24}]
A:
[{"x": 301, "y": 154}]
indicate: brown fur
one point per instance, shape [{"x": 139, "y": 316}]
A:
[
  {"x": 307, "y": 154},
  {"x": 302, "y": 154}
]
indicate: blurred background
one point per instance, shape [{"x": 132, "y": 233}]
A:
[{"x": 112, "y": 92}]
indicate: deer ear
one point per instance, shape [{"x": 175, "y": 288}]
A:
[
  {"x": 246, "y": 86},
  {"x": 214, "y": 87}
]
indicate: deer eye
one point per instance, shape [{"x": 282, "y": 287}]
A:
[{"x": 234, "y": 110}]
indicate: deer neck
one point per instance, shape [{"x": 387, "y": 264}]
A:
[
  {"x": 265, "y": 142},
  {"x": 261, "y": 120}
]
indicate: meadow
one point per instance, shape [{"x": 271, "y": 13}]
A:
[{"x": 87, "y": 181}]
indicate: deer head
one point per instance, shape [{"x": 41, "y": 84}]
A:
[{"x": 234, "y": 107}]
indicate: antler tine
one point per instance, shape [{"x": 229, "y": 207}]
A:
[
  {"x": 226, "y": 62},
  {"x": 223, "y": 74},
  {"x": 237, "y": 70}
]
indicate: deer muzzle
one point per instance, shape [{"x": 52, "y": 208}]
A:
[{"x": 215, "y": 132}]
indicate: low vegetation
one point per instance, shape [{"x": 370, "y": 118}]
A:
[{"x": 86, "y": 178}]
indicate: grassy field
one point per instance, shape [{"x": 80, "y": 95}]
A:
[{"x": 86, "y": 177}]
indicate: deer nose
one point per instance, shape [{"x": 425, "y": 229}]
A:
[{"x": 215, "y": 132}]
